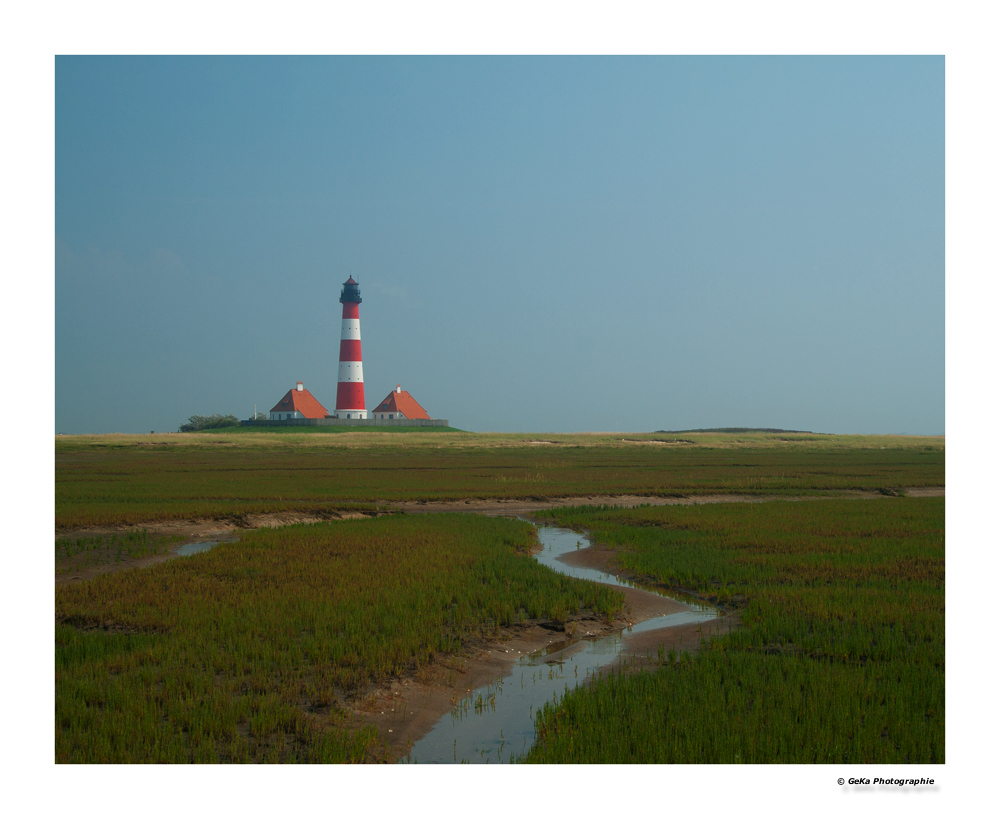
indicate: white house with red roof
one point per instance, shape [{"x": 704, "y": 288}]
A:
[
  {"x": 297, "y": 403},
  {"x": 399, "y": 404}
]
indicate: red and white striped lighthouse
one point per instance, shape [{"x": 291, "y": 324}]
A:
[{"x": 350, "y": 377}]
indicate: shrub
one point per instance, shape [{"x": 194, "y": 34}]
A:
[{"x": 196, "y": 422}]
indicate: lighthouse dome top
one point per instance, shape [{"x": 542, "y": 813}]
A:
[{"x": 351, "y": 292}]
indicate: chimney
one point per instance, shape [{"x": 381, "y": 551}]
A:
[
  {"x": 398, "y": 388},
  {"x": 298, "y": 386}
]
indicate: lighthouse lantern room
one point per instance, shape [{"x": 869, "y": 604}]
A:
[{"x": 350, "y": 376}]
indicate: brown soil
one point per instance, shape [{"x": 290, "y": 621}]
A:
[
  {"x": 67, "y": 573},
  {"x": 645, "y": 646},
  {"x": 211, "y": 529},
  {"x": 208, "y": 529},
  {"x": 642, "y": 606},
  {"x": 521, "y": 506},
  {"x": 594, "y": 556},
  {"x": 405, "y": 709}
]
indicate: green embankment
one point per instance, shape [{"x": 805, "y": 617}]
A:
[
  {"x": 840, "y": 658},
  {"x": 333, "y": 429}
]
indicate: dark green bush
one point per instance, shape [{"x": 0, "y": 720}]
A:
[{"x": 196, "y": 422}]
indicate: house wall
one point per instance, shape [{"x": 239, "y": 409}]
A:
[{"x": 354, "y": 414}]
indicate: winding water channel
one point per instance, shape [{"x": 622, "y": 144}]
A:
[{"x": 495, "y": 723}]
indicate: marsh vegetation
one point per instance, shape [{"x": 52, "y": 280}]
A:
[
  {"x": 840, "y": 657},
  {"x": 255, "y": 650},
  {"x": 116, "y": 480},
  {"x": 250, "y": 651},
  {"x": 74, "y": 554}
]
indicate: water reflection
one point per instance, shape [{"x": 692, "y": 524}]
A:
[
  {"x": 496, "y": 723},
  {"x": 196, "y": 548},
  {"x": 557, "y": 543}
]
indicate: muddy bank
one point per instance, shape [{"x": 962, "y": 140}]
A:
[
  {"x": 405, "y": 709},
  {"x": 190, "y": 531},
  {"x": 643, "y": 605},
  {"x": 521, "y": 506},
  {"x": 67, "y": 574},
  {"x": 495, "y": 722},
  {"x": 185, "y": 532},
  {"x": 645, "y": 647},
  {"x": 208, "y": 529}
]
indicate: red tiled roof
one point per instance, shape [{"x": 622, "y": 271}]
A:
[
  {"x": 402, "y": 402},
  {"x": 301, "y": 401}
]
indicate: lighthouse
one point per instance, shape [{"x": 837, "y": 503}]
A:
[{"x": 350, "y": 377}]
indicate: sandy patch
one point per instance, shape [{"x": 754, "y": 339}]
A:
[
  {"x": 208, "y": 529},
  {"x": 680, "y": 638},
  {"x": 924, "y": 492},
  {"x": 655, "y": 441},
  {"x": 525, "y": 506}
]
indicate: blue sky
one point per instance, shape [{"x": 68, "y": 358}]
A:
[{"x": 543, "y": 244}]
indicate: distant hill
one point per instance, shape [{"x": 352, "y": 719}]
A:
[{"x": 736, "y": 429}]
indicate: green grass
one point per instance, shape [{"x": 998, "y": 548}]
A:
[
  {"x": 76, "y": 553},
  {"x": 110, "y": 480},
  {"x": 248, "y": 652},
  {"x": 840, "y": 658}
]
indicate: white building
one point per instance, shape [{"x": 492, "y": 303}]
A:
[{"x": 297, "y": 403}]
